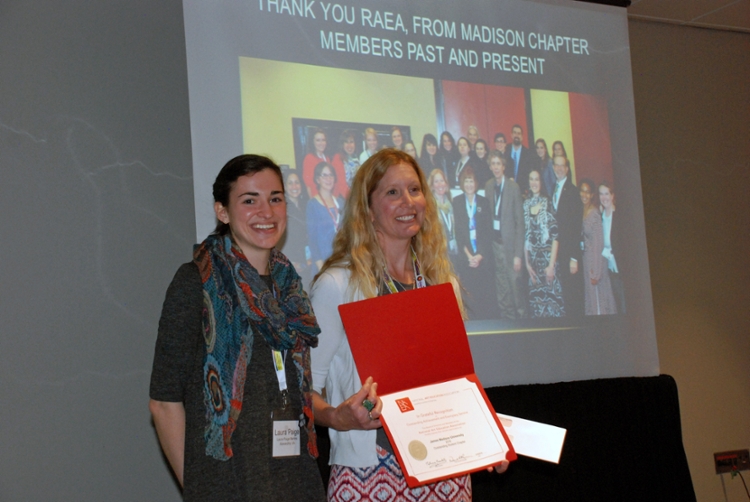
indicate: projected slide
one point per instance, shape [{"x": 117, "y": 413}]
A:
[{"x": 519, "y": 113}]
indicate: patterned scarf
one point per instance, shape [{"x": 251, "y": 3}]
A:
[
  {"x": 543, "y": 217},
  {"x": 236, "y": 305},
  {"x": 351, "y": 165},
  {"x": 445, "y": 204}
]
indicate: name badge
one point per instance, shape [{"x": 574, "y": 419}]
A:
[
  {"x": 496, "y": 224},
  {"x": 286, "y": 438}
]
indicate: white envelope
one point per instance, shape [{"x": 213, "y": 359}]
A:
[{"x": 534, "y": 439}]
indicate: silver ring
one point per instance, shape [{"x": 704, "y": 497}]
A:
[{"x": 369, "y": 414}]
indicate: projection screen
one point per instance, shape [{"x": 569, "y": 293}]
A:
[{"x": 306, "y": 81}]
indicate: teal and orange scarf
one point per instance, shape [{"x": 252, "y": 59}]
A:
[{"x": 237, "y": 304}]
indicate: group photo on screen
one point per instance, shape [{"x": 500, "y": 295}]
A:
[
  {"x": 522, "y": 180},
  {"x": 534, "y": 177}
]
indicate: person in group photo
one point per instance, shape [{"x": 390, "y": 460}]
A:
[
  {"x": 612, "y": 243},
  {"x": 464, "y": 160},
  {"x": 391, "y": 241},
  {"x": 541, "y": 252},
  {"x": 441, "y": 192},
  {"x": 316, "y": 153},
  {"x": 522, "y": 160},
  {"x": 545, "y": 166},
  {"x": 472, "y": 134},
  {"x": 397, "y": 138},
  {"x": 597, "y": 290},
  {"x": 449, "y": 154},
  {"x": 558, "y": 150},
  {"x": 324, "y": 212},
  {"x": 371, "y": 145},
  {"x": 235, "y": 321},
  {"x": 566, "y": 204},
  {"x": 508, "y": 233},
  {"x": 481, "y": 162},
  {"x": 501, "y": 145},
  {"x": 294, "y": 243},
  {"x": 430, "y": 158},
  {"x": 474, "y": 262},
  {"x": 346, "y": 161},
  {"x": 411, "y": 149}
]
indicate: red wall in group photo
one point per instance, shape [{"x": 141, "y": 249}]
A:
[
  {"x": 496, "y": 109},
  {"x": 491, "y": 108},
  {"x": 589, "y": 122}
]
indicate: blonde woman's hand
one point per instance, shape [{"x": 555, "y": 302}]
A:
[
  {"x": 499, "y": 468},
  {"x": 353, "y": 413}
]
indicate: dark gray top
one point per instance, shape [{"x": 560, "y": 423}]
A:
[{"x": 252, "y": 473}]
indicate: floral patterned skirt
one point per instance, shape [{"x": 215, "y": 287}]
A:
[{"x": 385, "y": 483}]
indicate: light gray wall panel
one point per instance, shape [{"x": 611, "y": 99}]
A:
[
  {"x": 692, "y": 96},
  {"x": 97, "y": 206}
]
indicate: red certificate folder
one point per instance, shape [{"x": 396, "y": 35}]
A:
[{"x": 409, "y": 340}]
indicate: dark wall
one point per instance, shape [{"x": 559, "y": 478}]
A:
[{"x": 97, "y": 213}]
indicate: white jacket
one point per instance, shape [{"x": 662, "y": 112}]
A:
[{"x": 333, "y": 367}]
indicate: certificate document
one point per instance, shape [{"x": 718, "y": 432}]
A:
[
  {"x": 443, "y": 430},
  {"x": 438, "y": 430}
]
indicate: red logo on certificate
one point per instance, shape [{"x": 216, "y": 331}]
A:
[{"x": 404, "y": 404}]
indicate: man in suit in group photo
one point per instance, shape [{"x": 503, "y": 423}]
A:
[
  {"x": 508, "y": 237},
  {"x": 568, "y": 209},
  {"x": 522, "y": 160}
]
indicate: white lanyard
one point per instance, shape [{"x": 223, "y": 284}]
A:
[
  {"x": 337, "y": 217},
  {"x": 333, "y": 211},
  {"x": 471, "y": 209},
  {"x": 285, "y": 429},
  {"x": 499, "y": 197},
  {"x": 278, "y": 358},
  {"x": 421, "y": 283},
  {"x": 461, "y": 164},
  {"x": 278, "y": 365}
]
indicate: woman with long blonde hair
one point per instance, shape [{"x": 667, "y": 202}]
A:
[
  {"x": 439, "y": 187},
  {"x": 357, "y": 245},
  {"x": 391, "y": 240},
  {"x": 371, "y": 144}
]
